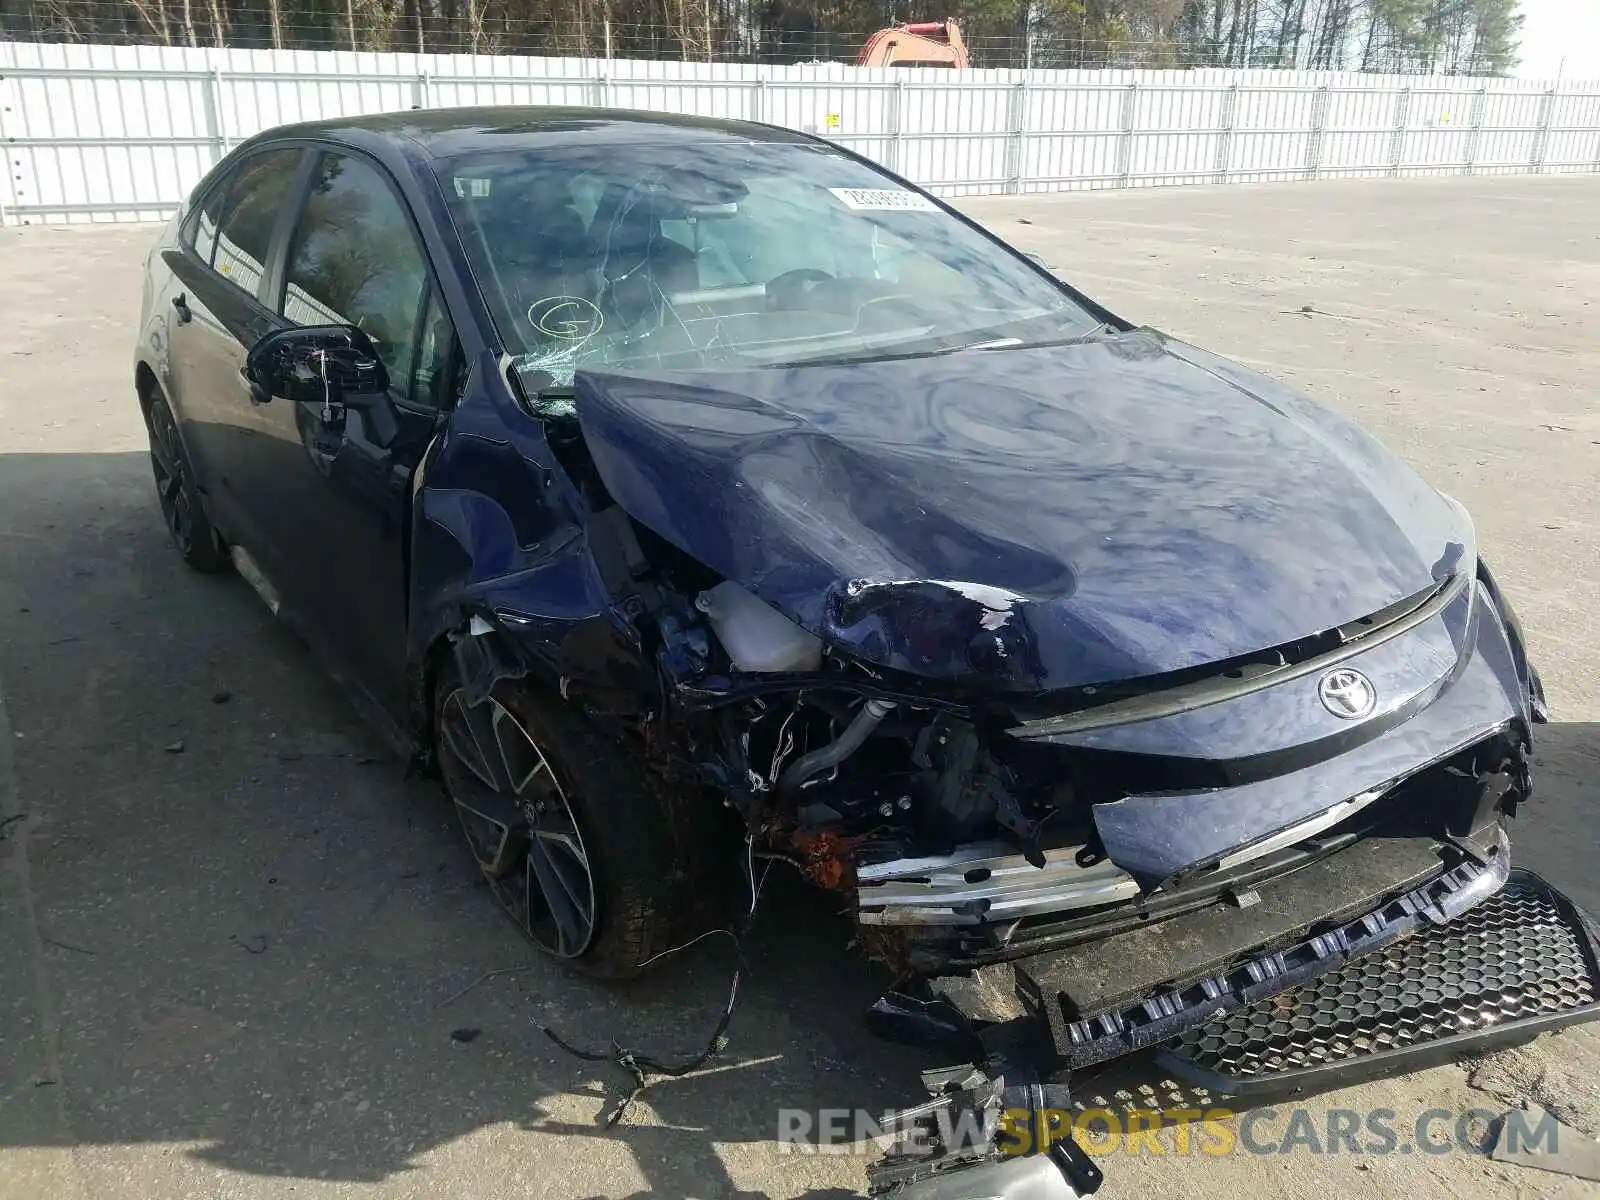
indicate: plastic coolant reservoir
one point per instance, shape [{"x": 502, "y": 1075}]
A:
[{"x": 756, "y": 636}]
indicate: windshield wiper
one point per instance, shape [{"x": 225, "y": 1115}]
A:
[
  {"x": 896, "y": 355},
  {"x": 542, "y": 396},
  {"x": 1088, "y": 335},
  {"x": 984, "y": 344}
]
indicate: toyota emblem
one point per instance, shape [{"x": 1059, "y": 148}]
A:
[{"x": 1347, "y": 693}]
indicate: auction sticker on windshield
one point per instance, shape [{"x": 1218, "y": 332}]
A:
[{"x": 884, "y": 200}]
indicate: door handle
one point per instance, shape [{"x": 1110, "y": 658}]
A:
[
  {"x": 180, "y": 302},
  {"x": 258, "y": 394}
]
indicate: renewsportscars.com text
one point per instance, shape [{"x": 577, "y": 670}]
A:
[{"x": 1180, "y": 1131}]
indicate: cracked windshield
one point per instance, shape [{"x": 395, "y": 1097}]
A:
[{"x": 737, "y": 255}]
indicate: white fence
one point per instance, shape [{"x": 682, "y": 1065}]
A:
[{"x": 123, "y": 132}]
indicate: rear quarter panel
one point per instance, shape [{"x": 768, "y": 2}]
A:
[{"x": 152, "y": 346}]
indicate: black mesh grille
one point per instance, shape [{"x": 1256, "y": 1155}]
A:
[{"x": 1516, "y": 955}]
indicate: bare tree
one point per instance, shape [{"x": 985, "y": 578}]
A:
[
  {"x": 153, "y": 13},
  {"x": 1376, "y": 35}
]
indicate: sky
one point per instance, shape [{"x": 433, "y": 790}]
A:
[{"x": 1553, "y": 30}]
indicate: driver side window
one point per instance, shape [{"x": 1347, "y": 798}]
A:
[{"x": 355, "y": 260}]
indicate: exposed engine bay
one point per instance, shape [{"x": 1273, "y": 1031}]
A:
[{"x": 967, "y": 825}]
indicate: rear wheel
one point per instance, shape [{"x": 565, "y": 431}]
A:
[
  {"x": 181, "y": 508},
  {"x": 578, "y": 848}
]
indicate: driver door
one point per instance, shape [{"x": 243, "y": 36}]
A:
[{"x": 335, "y": 508}]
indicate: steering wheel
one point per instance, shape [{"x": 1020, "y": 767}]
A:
[{"x": 787, "y": 290}]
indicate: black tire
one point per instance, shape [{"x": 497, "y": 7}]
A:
[
  {"x": 181, "y": 507},
  {"x": 635, "y": 844}
]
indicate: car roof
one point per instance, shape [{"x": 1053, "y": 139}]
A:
[{"x": 448, "y": 132}]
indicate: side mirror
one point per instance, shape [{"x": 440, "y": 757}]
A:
[{"x": 316, "y": 364}]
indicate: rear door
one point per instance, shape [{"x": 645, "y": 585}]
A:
[
  {"x": 223, "y": 269},
  {"x": 334, "y": 493}
]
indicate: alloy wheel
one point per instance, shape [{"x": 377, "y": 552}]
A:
[
  {"x": 166, "y": 461},
  {"x": 518, "y": 821}
]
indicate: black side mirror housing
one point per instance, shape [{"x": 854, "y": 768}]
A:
[{"x": 316, "y": 364}]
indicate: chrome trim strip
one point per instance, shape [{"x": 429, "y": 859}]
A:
[
  {"x": 1215, "y": 689},
  {"x": 1308, "y": 828},
  {"x": 937, "y": 890}
]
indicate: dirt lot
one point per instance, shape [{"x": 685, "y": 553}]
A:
[{"x": 230, "y": 933}]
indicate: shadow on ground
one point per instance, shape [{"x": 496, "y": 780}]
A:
[
  {"x": 246, "y": 928},
  {"x": 250, "y": 926}
]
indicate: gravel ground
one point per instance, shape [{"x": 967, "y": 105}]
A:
[{"x": 232, "y": 932}]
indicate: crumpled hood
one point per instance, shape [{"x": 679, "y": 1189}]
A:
[{"x": 1030, "y": 519}]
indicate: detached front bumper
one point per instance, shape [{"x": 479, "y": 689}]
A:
[
  {"x": 1479, "y": 958},
  {"x": 1523, "y": 962},
  {"x": 1081, "y": 1041}
]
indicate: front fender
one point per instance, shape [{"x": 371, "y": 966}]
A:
[
  {"x": 499, "y": 534},
  {"x": 1532, "y": 687}
]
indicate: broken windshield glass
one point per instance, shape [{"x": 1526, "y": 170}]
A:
[{"x": 730, "y": 254}]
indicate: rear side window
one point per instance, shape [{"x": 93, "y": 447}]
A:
[
  {"x": 202, "y": 230},
  {"x": 256, "y": 196},
  {"x": 355, "y": 260}
]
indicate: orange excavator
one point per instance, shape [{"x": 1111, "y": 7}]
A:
[{"x": 916, "y": 44}]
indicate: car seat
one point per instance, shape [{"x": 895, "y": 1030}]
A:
[
  {"x": 641, "y": 265},
  {"x": 542, "y": 253}
]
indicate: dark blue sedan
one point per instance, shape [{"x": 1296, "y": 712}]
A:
[{"x": 692, "y": 494}]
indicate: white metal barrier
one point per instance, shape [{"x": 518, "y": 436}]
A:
[{"x": 122, "y": 133}]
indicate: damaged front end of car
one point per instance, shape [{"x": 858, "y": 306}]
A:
[{"x": 1069, "y": 833}]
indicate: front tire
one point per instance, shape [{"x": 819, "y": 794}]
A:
[
  {"x": 586, "y": 856},
  {"x": 181, "y": 507}
]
